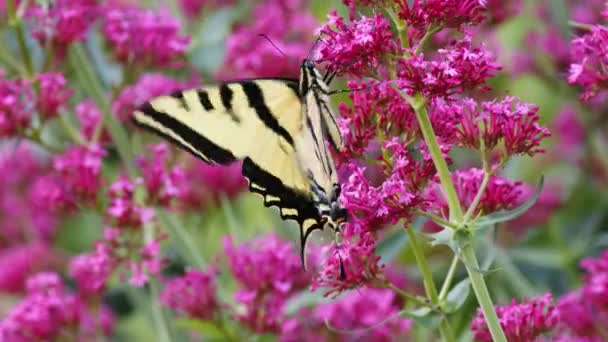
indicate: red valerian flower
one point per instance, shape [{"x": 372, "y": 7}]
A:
[
  {"x": 163, "y": 185},
  {"x": 64, "y": 22},
  {"x": 92, "y": 270},
  {"x": 147, "y": 86},
  {"x": 18, "y": 262},
  {"x": 289, "y": 27},
  {"x": 457, "y": 68},
  {"x": 144, "y": 36},
  {"x": 53, "y": 93},
  {"x": 357, "y": 48},
  {"x": 268, "y": 272},
  {"x": 123, "y": 209},
  {"x": 193, "y": 294},
  {"x": 421, "y": 14},
  {"x": 590, "y": 56},
  {"x": 90, "y": 117},
  {"x": 350, "y": 263},
  {"x": 520, "y": 321},
  {"x": 79, "y": 170},
  {"x": 16, "y": 105}
]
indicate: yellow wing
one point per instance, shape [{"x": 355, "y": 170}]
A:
[{"x": 254, "y": 121}]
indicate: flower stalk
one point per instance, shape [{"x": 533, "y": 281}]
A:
[{"x": 429, "y": 285}]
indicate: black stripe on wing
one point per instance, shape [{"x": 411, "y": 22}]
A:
[
  {"x": 202, "y": 145},
  {"x": 255, "y": 97},
  {"x": 263, "y": 183}
]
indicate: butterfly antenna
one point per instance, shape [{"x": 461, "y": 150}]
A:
[{"x": 273, "y": 44}]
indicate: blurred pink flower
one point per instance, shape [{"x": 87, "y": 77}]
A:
[
  {"x": 20, "y": 261},
  {"x": 90, "y": 117},
  {"x": 206, "y": 184},
  {"x": 356, "y": 311},
  {"x": 79, "y": 170},
  {"x": 193, "y": 294},
  {"x": 53, "y": 94},
  {"x": 49, "y": 312},
  {"x": 590, "y": 62},
  {"x": 520, "y": 321},
  {"x": 64, "y": 22},
  {"x": 287, "y": 24},
  {"x": 92, "y": 270},
  {"x": 571, "y": 135},
  {"x": 144, "y": 37},
  {"x": 16, "y": 105},
  {"x": 193, "y": 8},
  {"x": 162, "y": 184},
  {"x": 147, "y": 86},
  {"x": 268, "y": 273}
]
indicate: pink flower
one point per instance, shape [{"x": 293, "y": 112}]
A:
[
  {"x": 90, "y": 117},
  {"x": 571, "y": 135},
  {"x": 53, "y": 94},
  {"x": 23, "y": 213},
  {"x": 147, "y": 86},
  {"x": 456, "y": 68},
  {"x": 193, "y": 294},
  {"x": 80, "y": 171},
  {"x": 63, "y": 23},
  {"x": 268, "y": 272},
  {"x": 500, "y": 11},
  {"x": 521, "y": 322},
  {"x": 500, "y": 193},
  {"x": 421, "y": 14},
  {"x": 356, "y": 48},
  {"x": 287, "y": 24},
  {"x": 590, "y": 62},
  {"x": 92, "y": 270},
  {"x": 48, "y": 313},
  {"x": 163, "y": 185},
  {"x": 206, "y": 184},
  {"x": 20, "y": 261},
  {"x": 513, "y": 123},
  {"x": 355, "y": 311},
  {"x": 149, "y": 264},
  {"x": 144, "y": 37},
  {"x": 377, "y": 108},
  {"x": 122, "y": 207},
  {"x": 349, "y": 264},
  {"x": 16, "y": 106}
]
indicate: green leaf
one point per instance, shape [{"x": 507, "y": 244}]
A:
[
  {"x": 305, "y": 300},
  {"x": 444, "y": 237},
  {"x": 423, "y": 316},
  {"x": 457, "y": 296},
  {"x": 391, "y": 245},
  {"x": 539, "y": 256},
  {"x": 507, "y": 215},
  {"x": 205, "y": 328}
]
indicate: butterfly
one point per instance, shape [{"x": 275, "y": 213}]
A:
[{"x": 281, "y": 129}]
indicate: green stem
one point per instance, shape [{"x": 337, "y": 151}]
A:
[
  {"x": 69, "y": 129},
  {"x": 427, "y": 36},
  {"x": 418, "y": 103},
  {"x": 429, "y": 285},
  {"x": 439, "y": 220},
  {"x": 162, "y": 327},
  {"x": 89, "y": 80},
  {"x": 15, "y": 21},
  {"x": 445, "y": 288},
  {"x": 481, "y": 291}
]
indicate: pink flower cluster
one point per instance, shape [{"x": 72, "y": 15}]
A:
[
  {"x": 355, "y": 313},
  {"x": 268, "y": 273},
  {"x": 48, "y": 310},
  {"x": 144, "y": 37},
  {"x": 193, "y": 294},
  {"x": 287, "y": 25},
  {"x": 590, "y": 62},
  {"x": 20, "y": 98},
  {"x": 64, "y": 22},
  {"x": 358, "y": 47},
  {"x": 525, "y": 321}
]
